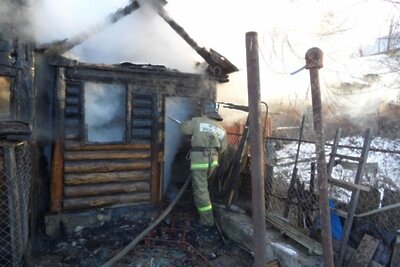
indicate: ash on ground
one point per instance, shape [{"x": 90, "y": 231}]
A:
[{"x": 177, "y": 241}]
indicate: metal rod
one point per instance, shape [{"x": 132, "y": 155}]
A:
[
  {"x": 256, "y": 150},
  {"x": 314, "y": 63},
  {"x": 299, "y": 141},
  {"x": 354, "y": 198},
  {"x": 294, "y": 173},
  {"x": 331, "y": 162}
]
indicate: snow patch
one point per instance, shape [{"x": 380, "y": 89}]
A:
[{"x": 386, "y": 176}]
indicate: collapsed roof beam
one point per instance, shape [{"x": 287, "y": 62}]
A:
[
  {"x": 218, "y": 65},
  {"x": 63, "y": 46}
]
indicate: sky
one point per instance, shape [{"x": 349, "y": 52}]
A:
[{"x": 286, "y": 30}]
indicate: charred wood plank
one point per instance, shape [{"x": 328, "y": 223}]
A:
[
  {"x": 100, "y": 201},
  {"x": 395, "y": 260},
  {"x": 112, "y": 154},
  {"x": 365, "y": 251},
  {"x": 106, "y": 177},
  {"x": 14, "y": 128},
  {"x": 72, "y": 101},
  {"x": 141, "y": 113},
  {"x": 71, "y": 111},
  {"x": 142, "y": 123},
  {"x": 73, "y": 90},
  {"x": 141, "y": 131},
  {"x": 105, "y": 166},
  {"x": 76, "y": 145},
  {"x": 295, "y": 234},
  {"x": 72, "y": 122},
  {"x": 105, "y": 189},
  {"x": 142, "y": 101},
  {"x": 72, "y": 134},
  {"x": 140, "y": 134},
  {"x": 349, "y": 186}
]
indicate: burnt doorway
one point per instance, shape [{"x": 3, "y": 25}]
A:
[{"x": 175, "y": 147}]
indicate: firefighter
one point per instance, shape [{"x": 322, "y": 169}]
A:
[{"x": 208, "y": 141}]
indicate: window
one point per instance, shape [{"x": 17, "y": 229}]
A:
[
  {"x": 5, "y": 97},
  {"x": 105, "y": 112}
]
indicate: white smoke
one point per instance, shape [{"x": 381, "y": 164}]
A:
[
  {"x": 14, "y": 19},
  {"x": 141, "y": 37},
  {"x": 286, "y": 30},
  {"x": 105, "y": 119}
]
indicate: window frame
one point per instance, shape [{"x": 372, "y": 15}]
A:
[{"x": 84, "y": 134}]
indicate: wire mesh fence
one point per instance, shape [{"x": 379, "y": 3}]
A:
[
  {"x": 15, "y": 178},
  {"x": 291, "y": 187}
]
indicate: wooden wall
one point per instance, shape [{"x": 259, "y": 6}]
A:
[{"x": 89, "y": 175}]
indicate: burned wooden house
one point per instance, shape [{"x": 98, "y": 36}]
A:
[{"x": 99, "y": 133}]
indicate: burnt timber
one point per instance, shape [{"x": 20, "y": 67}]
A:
[{"x": 92, "y": 174}]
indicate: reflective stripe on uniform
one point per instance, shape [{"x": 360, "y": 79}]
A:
[
  {"x": 205, "y": 209},
  {"x": 203, "y": 166}
]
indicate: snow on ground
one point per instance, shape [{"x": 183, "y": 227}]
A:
[{"x": 387, "y": 174}]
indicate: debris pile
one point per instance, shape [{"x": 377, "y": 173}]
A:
[{"x": 176, "y": 241}]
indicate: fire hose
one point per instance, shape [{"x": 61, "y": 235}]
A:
[{"x": 138, "y": 238}]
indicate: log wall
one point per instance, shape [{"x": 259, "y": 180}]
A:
[
  {"x": 107, "y": 174},
  {"x": 98, "y": 174}
]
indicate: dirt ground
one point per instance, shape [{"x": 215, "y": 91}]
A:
[{"x": 176, "y": 241}]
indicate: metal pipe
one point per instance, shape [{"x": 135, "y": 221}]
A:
[
  {"x": 294, "y": 173},
  {"x": 314, "y": 63},
  {"x": 256, "y": 150},
  {"x": 354, "y": 198}
]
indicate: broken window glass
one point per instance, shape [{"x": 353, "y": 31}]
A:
[
  {"x": 5, "y": 97},
  {"x": 105, "y": 112}
]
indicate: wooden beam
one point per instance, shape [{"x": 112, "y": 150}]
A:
[
  {"x": 111, "y": 154},
  {"x": 365, "y": 252},
  {"x": 100, "y": 201},
  {"x": 105, "y": 166},
  {"x": 76, "y": 145},
  {"x": 106, "y": 177},
  {"x": 105, "y": 189},
  {"x": 287, "y": 229},
  {"x": 395, "y": 261},
  {"x": 349, "y": 186}
]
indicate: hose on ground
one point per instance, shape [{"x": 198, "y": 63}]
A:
[{"x": 134, "y": 242}]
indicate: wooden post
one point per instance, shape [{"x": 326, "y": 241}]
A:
[
  {"x": 314, "y": 63},
  {"x": 256, "y": 150},
  {"x": 57, "y": 172}
]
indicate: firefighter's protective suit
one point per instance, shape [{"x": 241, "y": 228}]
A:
[{"x": 208, "y": 141}]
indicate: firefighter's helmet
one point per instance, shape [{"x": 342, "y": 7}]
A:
[{"x": 209, "y": 108}]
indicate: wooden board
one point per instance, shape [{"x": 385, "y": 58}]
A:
[
  {"x": 313, "y": 246},
  {"x": 395, "y": 261},
  {"x": 349, "y": 186},
  {"x": 274, "y": 263},
  {"x": 365, "y": 252}
]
